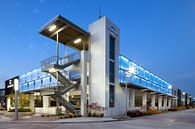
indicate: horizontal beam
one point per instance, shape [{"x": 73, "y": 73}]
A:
[{"x": 59, "y": 30}]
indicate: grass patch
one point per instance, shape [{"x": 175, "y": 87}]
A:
[{"x": 120, "y": 117}]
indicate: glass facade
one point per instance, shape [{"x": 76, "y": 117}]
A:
[
  {"x": 112, "y": 48},
  {"x": 111, "y": 70},
  {"x": 111, "y": 98},
  {"x": 137, "y": 75},
  {"x": 37, "y": 79}
]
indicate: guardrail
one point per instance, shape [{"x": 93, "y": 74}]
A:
[{"x": 62, "y": 61}]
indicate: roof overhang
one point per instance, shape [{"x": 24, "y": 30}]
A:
[
  {"x": 68, "y": 33},
  {"x": 144, "y": 89}
]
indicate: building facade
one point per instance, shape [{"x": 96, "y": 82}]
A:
[{"x": 97, "y": 74}]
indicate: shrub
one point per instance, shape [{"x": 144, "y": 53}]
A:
[
  {"x": 153, "y": 111},
  {"x": 188, "y": 107},
  {"x": 47, "y": 115},
  {"x": 135, "y": 113},
  {"x": 21, "y": 110},
  {"x": 70, "y": 115},
  {"x": 94, "y": 114},
  {"x": 79, "y": 115},
  {"x": 176, "y": 109},
  {"x": 42, "y": 115},
  {"x": 61, "y": 117},
  {"x": 95, "y": 108},
  {"x": 101, "y": 114},
  {"x": 89, "y": 114},
  {"x": 65, "y": 116}
]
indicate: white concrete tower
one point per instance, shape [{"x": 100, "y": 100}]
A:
[{"x": 103, "y": 59}]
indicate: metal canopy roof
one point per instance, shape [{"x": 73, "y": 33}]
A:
[{"x": 67, "y": 32}]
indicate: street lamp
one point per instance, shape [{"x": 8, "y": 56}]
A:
[
  {"x": 130, "y": 70},
  {"x": 16, "y": 88}
]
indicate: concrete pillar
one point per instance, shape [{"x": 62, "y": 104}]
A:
[
  {"x": 165, "y": 102},
  {"x": 132, "y": 98},
  {"x": 153, "y": 101},
  {"x": 159, "y": 102},
  {"x": 46, "y": 102},
  {"x": 176, "y": 100},
  {"x": 169, "y": 102},
  {"x": 8, "y": 103},
  {"x": 144, "y": 100},
  {"x": 32, "y": 103},
  {"x": 66, "y": 97},
  {"x": 83, "y": 83}
]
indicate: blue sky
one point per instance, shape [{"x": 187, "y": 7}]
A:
[{"x": 157, "y": 34}]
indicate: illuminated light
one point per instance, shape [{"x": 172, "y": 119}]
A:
[
  {"x": 169, "y": 86},
  {"x": 52, "y": 70},
  {"x": 77, "y": 40},
  {"x": 183, "y": 93},
  {"x": 72, "y": 96},
  {"x": 52, "y": 27},
  {"x": 132, "y": 70},
  {"x": 16, "y": 84}
]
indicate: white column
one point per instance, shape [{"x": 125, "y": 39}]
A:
[
  {"x": 176, "y": 104},
  {"x": 153, "y": 101},
  {"x": 159, "y": 102},
  {"x": 165, "y": 102},
  {"x": 144, "y": 100},
  {"x": 83, "y": 83},
  {"x": 32, "y": 102},
  {"x": 132, "y": 98},
  {"x": 46, "y": 102},
  {"x": 66, "y": 97},
  {"x": 8, "y": 104},
  {"x": 169, "y": 102}
]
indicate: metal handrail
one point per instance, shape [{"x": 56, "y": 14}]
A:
[{"x": 62, "y": 61}]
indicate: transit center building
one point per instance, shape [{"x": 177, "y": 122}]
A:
[{"x": 97, "y": 74}]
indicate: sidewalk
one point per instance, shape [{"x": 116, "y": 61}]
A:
[
  {"x": 86, "y": 120},
  {"x": 36, "y": 118}
]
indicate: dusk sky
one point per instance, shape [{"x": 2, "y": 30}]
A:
[{"x": 157, "y": 34}]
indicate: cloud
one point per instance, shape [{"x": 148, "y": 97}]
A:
[
  {"x": 36, "y": 10},
  {"x": 42, "y": 1},
  {"x": 17, "y": 3}
]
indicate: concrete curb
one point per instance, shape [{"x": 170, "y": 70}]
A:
[{"x": 61, "y": 122}]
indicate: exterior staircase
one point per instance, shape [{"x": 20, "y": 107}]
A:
[{"x": 55, "y": 68}]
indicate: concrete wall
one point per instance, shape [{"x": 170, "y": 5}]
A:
[{"x": 99, "y": 66}]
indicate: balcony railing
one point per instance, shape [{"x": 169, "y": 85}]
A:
[{"x": 53, "y": 60}]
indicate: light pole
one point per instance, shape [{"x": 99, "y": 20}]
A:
[
  {"x": 16, "y": 88},
  {"x": 130, "y": 70},
  {"x": 126, "y": 94}
]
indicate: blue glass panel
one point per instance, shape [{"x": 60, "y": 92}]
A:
[
  {"x": 141, "y": 77},
  {"x": 124, "y": 62}
]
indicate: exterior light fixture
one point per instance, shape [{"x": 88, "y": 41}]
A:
[
  {"x": 52, "y": 70},
  {"x": 77, "y": 40},
  {"x": 16, "y": 88},
  {"x": 132, "y": 70},
  {"x": 183, "y": 93},
  {"x": 169, "y": 87},
  {"x": 16, "y": 84},
  {"x": 52, "y": 27}
]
